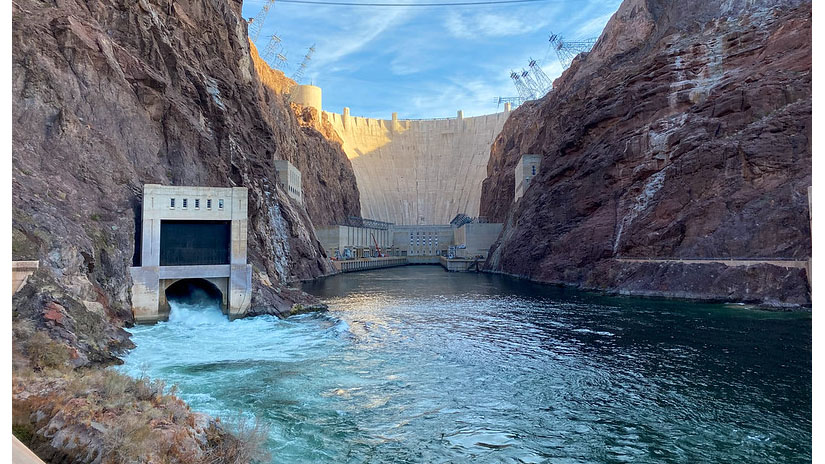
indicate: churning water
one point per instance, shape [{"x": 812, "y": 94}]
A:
[{"x": 417, "y": 365}]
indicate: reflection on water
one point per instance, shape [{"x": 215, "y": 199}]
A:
[{"x": 416, "y": 365}]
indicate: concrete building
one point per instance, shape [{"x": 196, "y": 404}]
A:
[
  {"x": 526, "y": 169},
  {"x": 191, "y": 236},
  {"x": 356, "y": 239},
  {"x": 475, "y": 239},
  {"x": 289, "y": 177},
  {"x": 422, "y": 240},
  {"x": 472, "y": 237},
  {"x": 418, "y": 172}
]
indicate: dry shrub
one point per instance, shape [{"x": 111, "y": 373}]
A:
[
  {"x": 129, "y": 438},
  {"x": 246, "y": 444},
  {"x": 21, "y": 423},
  {"x": 113, "y": 384},
  {"x": 147, "y": 389},
  {"x": 45, "y": 352}
]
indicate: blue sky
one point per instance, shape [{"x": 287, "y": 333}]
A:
[{"x": 419, "y": 61}]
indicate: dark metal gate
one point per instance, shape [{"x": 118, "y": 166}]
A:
[{"x": 188, "y": 243}]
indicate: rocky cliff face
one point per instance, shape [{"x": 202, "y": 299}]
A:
[
  {"x": 311, "y": 144},
  {"x": 685, "y": 133},
  {"x": 110, "y": 95}
]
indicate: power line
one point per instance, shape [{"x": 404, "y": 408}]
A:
[{"x": 476, "y": 3}]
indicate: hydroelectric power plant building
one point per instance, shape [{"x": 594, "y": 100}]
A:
[{"x": 191, "y": 236}]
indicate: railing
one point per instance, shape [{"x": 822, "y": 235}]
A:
[
  {"x": 354, "y": 265},
  {"x": 354, "y": 221}
]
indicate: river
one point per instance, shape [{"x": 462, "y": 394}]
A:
[{"x": 414, "y": 364}]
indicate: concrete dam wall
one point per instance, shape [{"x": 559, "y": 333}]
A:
[{"x": 418, "y": 171}]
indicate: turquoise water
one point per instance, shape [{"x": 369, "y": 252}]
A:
[{"x": 414, "y": 364}]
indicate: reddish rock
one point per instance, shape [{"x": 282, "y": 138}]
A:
[
  {"x": 53, "y": 315},
  {"x": 685, "y": 133}
]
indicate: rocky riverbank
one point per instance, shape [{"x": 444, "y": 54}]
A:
[
  {"x": 108, "y": 96},
  {"x": 685, "y": 133}
]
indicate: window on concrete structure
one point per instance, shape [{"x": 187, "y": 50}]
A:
[
  {"x": 534, "y": 170},
  {"x": 171, "y": 202},
  {"x": 209, "y": 204},
  {"x": 184, "y": 202},
  {"x": 197, "y": 203},
  {"x": 220, "y": 203}
]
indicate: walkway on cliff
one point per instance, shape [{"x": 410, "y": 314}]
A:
[{"x": 732, "y": 262}]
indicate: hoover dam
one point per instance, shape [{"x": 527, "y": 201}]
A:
[{"x": 416, "y": 172}]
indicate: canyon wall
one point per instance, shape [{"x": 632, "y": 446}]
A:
[
  {"x": 684, "y": 134},
  {"x": 418, "y": 171}
]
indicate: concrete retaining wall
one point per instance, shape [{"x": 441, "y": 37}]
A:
[{"x": 354, "y": 265}]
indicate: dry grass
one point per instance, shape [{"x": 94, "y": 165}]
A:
[
  {"x": 45, "y": 353},
  {"x": 131, "y": 420},
  {"x": 135, "y": 420}
]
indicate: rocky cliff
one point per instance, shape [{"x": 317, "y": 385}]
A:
[
  {"x": 110, "y": 95},
  {"x": 685, "y": 133}
]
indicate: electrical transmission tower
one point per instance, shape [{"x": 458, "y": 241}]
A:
[
  {"x": 524, "y": 91},
  {"x": 257, "y": 22},
  {"x": 531, "y": 83},
  {"x": 280, "y": 61},
  {"x": 272, "y": 47},
  {"x": 299, "y": 73},
  {"x": 566, "y": 50},
  {"x": 541, "y": 79},
  {"x": 514, "y": 101}
]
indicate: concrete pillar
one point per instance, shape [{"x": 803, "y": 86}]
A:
[
  {"x": 395, "y": 125},
  {"x": 507, "y": 107},
  {"x": 460, "y": 114},
  {"x": 240, "y": 284},
  {"x": 345, "y": 117},
  {"x": 811, "y": 220},
  {"x": 145, "y": 293},
  {"x": 239, "y": 225}
]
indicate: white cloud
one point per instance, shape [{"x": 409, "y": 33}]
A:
[
  {"x": 515, "y": 22},
  {"x": 359, "y": 31}
]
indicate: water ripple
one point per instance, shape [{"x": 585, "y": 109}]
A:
[{"x": 416, "y": 365}]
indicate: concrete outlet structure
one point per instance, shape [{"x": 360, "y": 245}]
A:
[
  {"x": 289, "y": 177},
  {"x": 526, "y": 169},
  {"x": 476, "y": 238},
  {"x": 193, "y": 236}
]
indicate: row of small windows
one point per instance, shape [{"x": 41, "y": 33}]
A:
[{"x": 185, "y": 203}]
